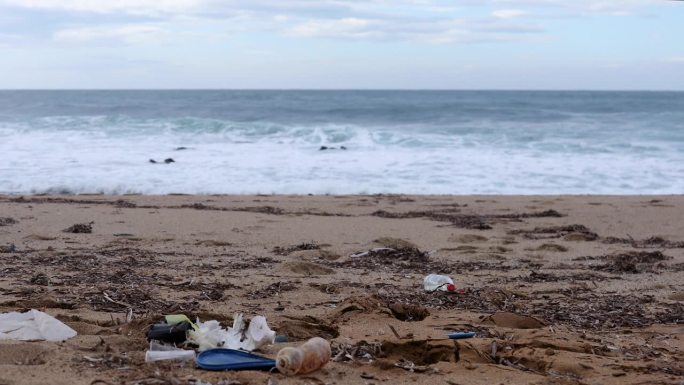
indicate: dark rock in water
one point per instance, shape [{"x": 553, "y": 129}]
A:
[
  {"x": 180, "y": 148},
  {"x": 323, "y": 148},
  {"x": 167, "y": 161},
  {"x": 343, "y": 148}
]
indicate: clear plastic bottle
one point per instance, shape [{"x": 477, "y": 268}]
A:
[
  {"x": 435, "y": 282},
  {"x": 313, "y": 355}
]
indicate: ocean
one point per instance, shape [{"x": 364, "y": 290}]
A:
[{"x": 413, "y": 142}]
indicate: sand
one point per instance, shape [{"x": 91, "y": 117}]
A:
[{"x": 560, "y": 290}]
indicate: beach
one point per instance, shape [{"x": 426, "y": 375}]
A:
[{"x": 558, "y": 289}]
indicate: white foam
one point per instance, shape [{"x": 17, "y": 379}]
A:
[{"x": 88, "y": 155}]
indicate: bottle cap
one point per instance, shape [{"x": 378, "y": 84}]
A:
[{"x": 451, "y": 287}]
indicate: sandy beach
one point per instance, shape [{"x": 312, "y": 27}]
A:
[{"x": 559, "y": 289}]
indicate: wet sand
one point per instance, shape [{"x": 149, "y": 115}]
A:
[{"x": 560, "y": 290}]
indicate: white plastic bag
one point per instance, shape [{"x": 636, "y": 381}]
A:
[
  {"x": 258, "y": 334},
  {"x": 210, "y": 334},
  {"x": 33, "y": 325}
]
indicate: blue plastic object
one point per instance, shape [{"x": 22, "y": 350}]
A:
[
  {"x": 229, "y": 359},
  {"x": 461, "y": 335}
]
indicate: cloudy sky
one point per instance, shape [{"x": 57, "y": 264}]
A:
[{"x": 407, "y": 44}]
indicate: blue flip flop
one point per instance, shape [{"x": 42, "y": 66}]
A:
[
  {"x": 461, "y": 335},
  {"x": 229, "y": 359}
]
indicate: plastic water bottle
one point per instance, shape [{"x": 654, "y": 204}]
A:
[
  {"x": 435, "y": 282},
  {"x": 313, "y": 355}
]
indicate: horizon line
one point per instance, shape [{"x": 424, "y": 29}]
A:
[{"x": 352, "y": 89}]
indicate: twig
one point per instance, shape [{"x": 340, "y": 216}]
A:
[
  {"x": 108, "y": 298},
  {"x": 394, "y": 331}
]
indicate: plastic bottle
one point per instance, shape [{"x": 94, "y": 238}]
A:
[
  {"x": 161, "y": 355},
  {"x": 435, "y": 282},
  {"x": 313, "y": 355}
]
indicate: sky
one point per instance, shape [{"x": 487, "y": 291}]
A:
[{"x": 342, "y": 44}]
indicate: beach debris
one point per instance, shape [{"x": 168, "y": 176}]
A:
[
  {"x": 460, "y": 335},
  {"x": 229, "y": 359},
  {"x": 409, "y": 312},
  {"x": 392, "y": 260},
  {"x": 652, "y": 242},
  {"x": 6, "y": 221},
  {"x": 80, "y": 228},
  {"x": 309, "y": 357},
  {"x": 361, "y": 351},
  {"x": 273, "y": 290},
  {"x": 434, "y": 282},
  {"x": 572, "y": 232},
  {"x": 33, "y": 325},
  {"x": 302, "y": 246},
  {"x": 161, "y": 352},
  {"x": 632, "y": 262},
  {"x": 174, "y": 333},
  {"x": 40, "y": 279},
  {"x": 210, "y": 334},
  {"x": 11, "y": 248}
]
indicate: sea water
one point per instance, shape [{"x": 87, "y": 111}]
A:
[{"x": 424, "y": 142}]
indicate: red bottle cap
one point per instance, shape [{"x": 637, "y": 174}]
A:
[{"x": 451, "y": 287}]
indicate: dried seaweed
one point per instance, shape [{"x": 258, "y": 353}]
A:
[
  {"x": 466, "y": 221},
  {"x": 272, "y": 290},
  {"x": 80, "y": 228},
  {"x": 6, "y": 221},
  {"x": 302, "y": 246},
  {"x": 556, "y": 232},
  {"x": 393, "y": 260},
  {"x": 652, "y": 242},
  {"x": 633, "y": 262}
]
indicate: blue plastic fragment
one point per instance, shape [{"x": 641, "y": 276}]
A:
[
  {"x": 229, "y": 359},
  {"x": 461, "y": 335}
]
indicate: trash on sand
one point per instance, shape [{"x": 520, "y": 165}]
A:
[
  {"x": 160, "y": 355},
  {"x": 434, "y": 282},
  {"x": 311, "y": 356},
  {"x": 460, "y": 335},
  {"x": 33, "y": 325},
  {"x": 159, "y": 352},
  {"x": 230, "y": 359},
  {"x": 173, "y": 319},
  {"x": 173, "y": 333},
  {"x": 210, "y": 334},
  {"x": 374, "y": 250}
]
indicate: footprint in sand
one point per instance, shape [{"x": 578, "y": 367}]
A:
[
  {"x": 23, "y": 354},
  {"x": 467, "y": 238},
  {"x": 307, "y": 268}
]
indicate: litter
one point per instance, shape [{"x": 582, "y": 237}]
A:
[
  {"x": 230, "y": 359},
  {"x": 434, "y": 282},
  {"x": 311, "y": 356},
  {"x": 180, "y": 354},
  {"x": 461, "y": 335},
  {"x": 173, "y": 333},
  {"x": 210, "y": 334},
  {"x": 364, "y": 253},
  {"x": 33, "y": 325}
]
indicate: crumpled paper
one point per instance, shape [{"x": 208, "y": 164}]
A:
[
  {"x": 211, "y": 335},
  {"x": 33, "y": 325}
]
